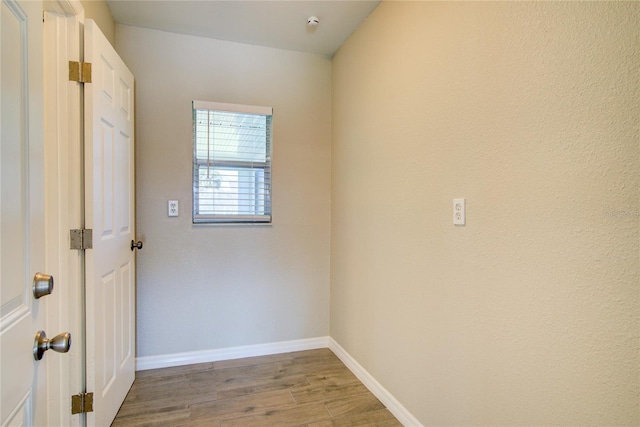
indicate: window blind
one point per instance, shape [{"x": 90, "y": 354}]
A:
[{"x": 231, "y": 163}]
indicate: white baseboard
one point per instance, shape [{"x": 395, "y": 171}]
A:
[
  {"x": 387, "y": 399},
  {"x": 192, "y": 357},
  {"x": 189, "y": 358}
]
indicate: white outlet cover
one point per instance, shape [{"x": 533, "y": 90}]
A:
[
  {"x": 459, "y": 214},
  {"x": 173, "y": 208}
]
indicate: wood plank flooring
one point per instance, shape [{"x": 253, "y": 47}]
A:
[{"x": 307, "y": 388}]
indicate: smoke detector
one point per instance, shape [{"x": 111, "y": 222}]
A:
[{"x": 313, "y": 21}]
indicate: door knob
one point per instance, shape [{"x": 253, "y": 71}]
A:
[
  {"x": 61, "y": 343},
  {"x": 42, "y": 285},
  {"x": 135, "y": 245}
]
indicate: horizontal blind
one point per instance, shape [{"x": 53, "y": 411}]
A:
[{"x": 232, "y": 163}]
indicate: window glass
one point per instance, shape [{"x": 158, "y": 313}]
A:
[{"x": 232, "y": 165}]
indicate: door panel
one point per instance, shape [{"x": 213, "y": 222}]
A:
[
  {"x": 109, "y": 210},
  {"x": 22, "y": 379}
]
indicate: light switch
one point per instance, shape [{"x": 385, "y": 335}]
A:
[
  {"x": 172, "y": 208},
  {"x": 459, "y": 212}
]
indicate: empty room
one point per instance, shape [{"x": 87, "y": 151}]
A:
[{"x": 314, "y": 213}]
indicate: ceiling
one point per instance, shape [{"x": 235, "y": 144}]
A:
[{"x": 278, "y": 24}]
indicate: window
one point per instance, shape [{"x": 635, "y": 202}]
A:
[{"x": 231, "y": 163}]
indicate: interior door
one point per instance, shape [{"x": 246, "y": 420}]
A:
[
  {"x": 63, "y": 132},
  {"x": 22, "y": 379},
  {"x": 109, "y": 212}
]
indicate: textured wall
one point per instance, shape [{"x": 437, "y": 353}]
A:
[
  {"x": 209, "y": 287},
  {"x": 529, "y": 315}
]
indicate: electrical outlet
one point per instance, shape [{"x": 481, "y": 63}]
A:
[
  {"x": 173, "y": 208},
  {"x": 459, "y": 212}
]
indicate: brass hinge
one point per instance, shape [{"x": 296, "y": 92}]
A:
[
  {"x": 81, "y": 403},
  {"x": 80, "y": 72},
  {"x": 81, "y": 239}
]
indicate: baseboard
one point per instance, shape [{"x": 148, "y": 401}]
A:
[
  {"x": 188, "y": 358},
  {"x": 387, "y": 399},
  {"x": 191, "y": 357}
]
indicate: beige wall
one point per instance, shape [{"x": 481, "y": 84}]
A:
[
  {"x": 528, "y": 315},
  {"x": 98, "y": 10},
  {"x": 210, "y": 287}
]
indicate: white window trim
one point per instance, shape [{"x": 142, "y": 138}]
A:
[{"x": 234, "y": 108}]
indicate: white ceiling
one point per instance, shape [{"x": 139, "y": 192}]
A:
[{"x": 279, "y": 24}]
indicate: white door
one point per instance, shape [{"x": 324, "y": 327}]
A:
[
  {"x": 109, "y": 212},
  {"x": 22, "y": 379},
  {"x": 65, "y": 211}
]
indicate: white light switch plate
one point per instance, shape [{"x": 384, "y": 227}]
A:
[
  {"x": 459, "y": 212},
  {"x": 172, "y": 208}
]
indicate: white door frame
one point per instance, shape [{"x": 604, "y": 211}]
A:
[{"x": 63, "y": 203}]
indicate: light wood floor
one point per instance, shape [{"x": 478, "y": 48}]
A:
[{"x": 308, "y": 388}]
